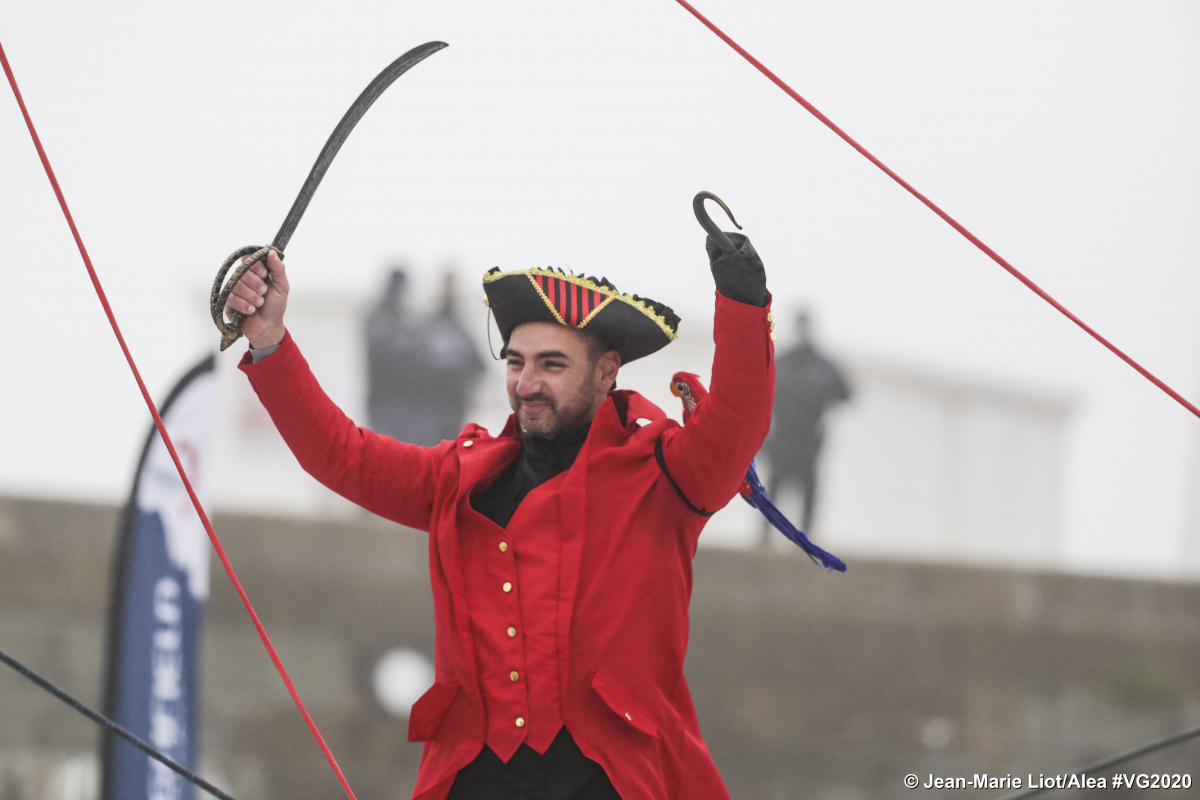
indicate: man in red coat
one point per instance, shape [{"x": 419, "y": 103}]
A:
[{"x": 559, "y": 551}]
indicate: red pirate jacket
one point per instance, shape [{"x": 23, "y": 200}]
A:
[{"x": 627, "y": 542}]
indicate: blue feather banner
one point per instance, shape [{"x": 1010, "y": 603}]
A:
[
  {"x": 758, "y": 499},
  {"x": 159, "y": 592}
]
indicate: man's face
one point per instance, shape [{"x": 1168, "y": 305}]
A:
[{"x": 551, "y": 384}]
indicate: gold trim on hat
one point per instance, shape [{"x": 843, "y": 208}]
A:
[
  {"x": 580, "y": 280},
  {"x": 596, "y": 311},
  {"x": 546, "y": 300}
]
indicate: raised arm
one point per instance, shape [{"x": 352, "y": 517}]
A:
[{"x": 708, "y": 457}]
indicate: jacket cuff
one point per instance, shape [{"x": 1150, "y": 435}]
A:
[
  {"x": 274, "y": 361},
  {"x": 724, "y": 304}
]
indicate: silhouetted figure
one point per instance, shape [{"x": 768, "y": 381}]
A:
[
  {"x": 454, "y": 366},
  {"x": 420, "y": 374},
  {"x": 393, "y": 355},
  {"x": 807, "y": 384}
]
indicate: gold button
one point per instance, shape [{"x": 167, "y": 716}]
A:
[
  {"x": 507, "y": 586},
  {"x": 512, "y": 632},
  {"x": 469, "y": 443},
  {"x": 504, "y": 547},
  {"x": 513, "y": 675},
  {"x": 770, "y": 316},
  {"x": 520, "y": 722},
  {"x": 772, "y": 336},
  {"x": 628, "y": 717}
]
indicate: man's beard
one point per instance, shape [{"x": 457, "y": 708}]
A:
[{"x": 568, "y": 413}]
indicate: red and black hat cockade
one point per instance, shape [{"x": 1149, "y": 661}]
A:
[{"x": 633, "y": 326}]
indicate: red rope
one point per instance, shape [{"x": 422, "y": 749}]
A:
[
  {"x": 162, "y": 430},
  {"x": 972, "y": 238}
]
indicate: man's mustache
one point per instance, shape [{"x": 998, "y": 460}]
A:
[{"x": 538, "y": 397}]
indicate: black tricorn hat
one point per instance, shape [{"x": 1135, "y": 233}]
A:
[{"x": 633, "y": 326}]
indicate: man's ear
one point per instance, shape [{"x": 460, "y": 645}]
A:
[{"x": 607, "y": 366}]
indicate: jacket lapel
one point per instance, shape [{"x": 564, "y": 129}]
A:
[{"x": 484, "y": 459}]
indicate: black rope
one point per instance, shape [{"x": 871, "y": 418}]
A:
[
  {"x": 662, "y": 464},
  {"x": 1112, "y": 761},
  {"x": 109, "y": 725}
]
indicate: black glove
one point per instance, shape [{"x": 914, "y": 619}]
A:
[{"x": 740, "y": 275}]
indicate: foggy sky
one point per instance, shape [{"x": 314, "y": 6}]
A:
[{"x": 575, "y": 135}]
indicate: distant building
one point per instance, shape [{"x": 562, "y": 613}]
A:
[
  {"x": 942, "y": 467},
  {"x": 924, "y": 464}
]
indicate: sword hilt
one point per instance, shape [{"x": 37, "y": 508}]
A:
[{"x": 231, "y": 331}]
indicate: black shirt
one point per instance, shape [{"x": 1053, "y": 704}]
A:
[{"x": 540, "y": 460}]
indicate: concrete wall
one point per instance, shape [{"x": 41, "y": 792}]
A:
[{"x": 807, "y": 684}]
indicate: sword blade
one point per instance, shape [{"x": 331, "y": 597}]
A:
[{"x": 369, "y": 95}]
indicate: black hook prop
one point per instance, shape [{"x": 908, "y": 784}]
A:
[{"x": 706, "y": 222}]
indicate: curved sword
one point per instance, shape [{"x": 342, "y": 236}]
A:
[{"x": 232, "y": 331}]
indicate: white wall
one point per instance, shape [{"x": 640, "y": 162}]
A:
[{"x": 924, "y": 466}]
